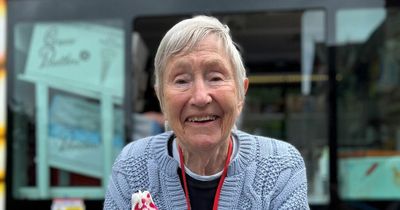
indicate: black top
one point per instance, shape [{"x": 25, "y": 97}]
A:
[{"x": 201, "y": 193}]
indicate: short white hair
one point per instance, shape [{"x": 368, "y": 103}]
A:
[{"x": 184, "y": 36}]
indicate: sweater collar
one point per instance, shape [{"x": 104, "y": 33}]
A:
[{"x": 246, "y": 153}]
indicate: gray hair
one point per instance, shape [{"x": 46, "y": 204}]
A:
[{"x": 184, "y": 36}]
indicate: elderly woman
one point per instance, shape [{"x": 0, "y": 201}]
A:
[{"x": 204, "y": 162}]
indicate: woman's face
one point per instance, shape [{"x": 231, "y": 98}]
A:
[{"x": 201, "y": 100}]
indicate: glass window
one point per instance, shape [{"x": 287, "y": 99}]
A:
[
  {"x": 368, "y": 73},
  {"x": 66, "y": 96},
  {"x": 286, "y": 59}
]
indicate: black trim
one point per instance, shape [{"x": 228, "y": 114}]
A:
[
  {"x": 392, "y": 3},
  {"x": 332, "y": 131}
]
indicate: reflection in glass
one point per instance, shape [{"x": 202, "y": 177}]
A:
[
  {"x": 69, "y": 77},
  {"x": 368, "y": 67},
  {"x": 288, "y": 86}
]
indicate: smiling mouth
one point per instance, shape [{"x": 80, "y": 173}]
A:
[{"x": 202, "y": 119}]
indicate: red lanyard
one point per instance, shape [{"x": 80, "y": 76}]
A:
[{"x": 221, "y": 181}]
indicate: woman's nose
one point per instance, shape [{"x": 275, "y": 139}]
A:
[{"x": 200, "y": 95}]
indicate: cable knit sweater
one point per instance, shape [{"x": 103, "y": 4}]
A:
[{"x": 266, "y": 174}]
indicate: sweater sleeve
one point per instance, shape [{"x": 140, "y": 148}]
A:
[
  {"x": 117, "y": 196},
  {"x": 129, "y": 174},
  {"x": 291, "y": 183}
]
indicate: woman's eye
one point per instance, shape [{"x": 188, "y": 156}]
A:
[
  {"x": 216, "y": 79},
  {"x": 180, "y": 81}
]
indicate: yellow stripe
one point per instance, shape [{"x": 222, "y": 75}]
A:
[
  {"x": 284, "y": 78},
  {"x": 2, "y": 130},
  {"x": 2, "y": 188},
  {"x": 2, "y": 63},
  {"x": 2, "y": 153}
]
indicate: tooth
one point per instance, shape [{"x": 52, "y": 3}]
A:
[{"x": 198, "y": 119}]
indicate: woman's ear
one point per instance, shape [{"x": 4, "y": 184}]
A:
[{"x": 246, "y": 85}]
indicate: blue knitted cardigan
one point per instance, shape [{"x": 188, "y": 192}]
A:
[{"x": 265, "y": 174}]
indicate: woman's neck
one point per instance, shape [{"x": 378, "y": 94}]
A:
[{"x": 208, "y": 162}]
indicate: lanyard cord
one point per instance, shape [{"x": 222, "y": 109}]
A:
[{"x": 221, "y": 181}]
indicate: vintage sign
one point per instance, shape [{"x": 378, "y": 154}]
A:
[{"x": 81, "y": 53}]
